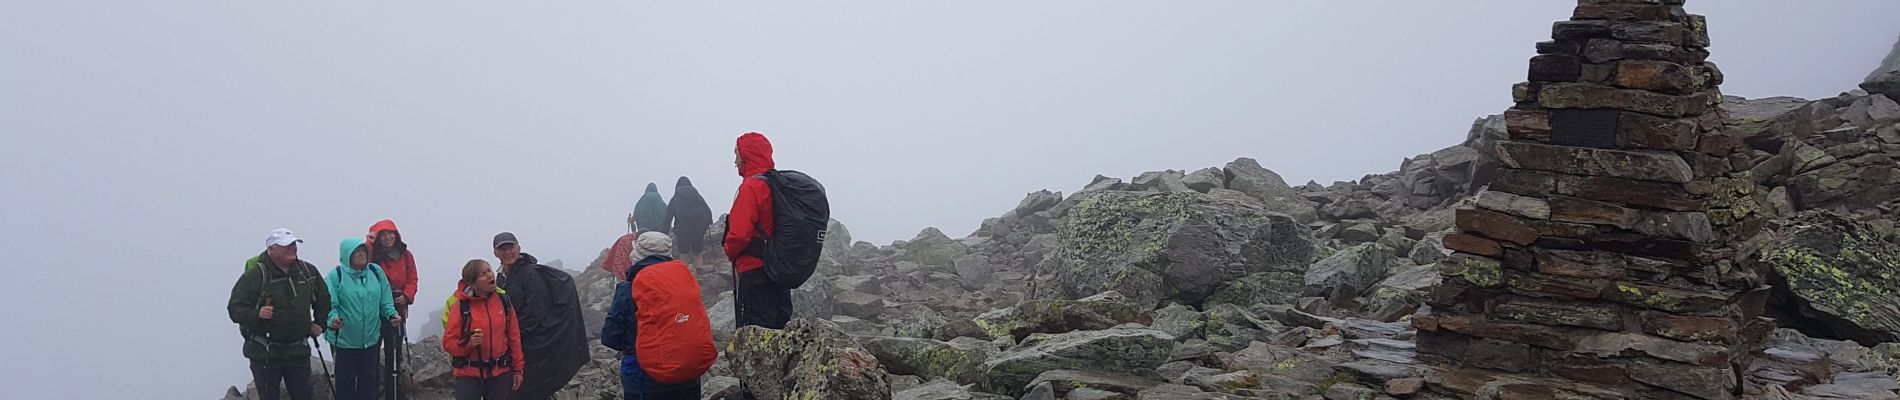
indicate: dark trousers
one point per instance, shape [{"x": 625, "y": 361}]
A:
[
  {"x": 681, "y": 394},
  {"x": 497, "y": 388},
  {"x": 273, "y": 377},
  {"x": 635, "y": 384},
  {"x": 393, "y": 342},
  {"x": 760, "y": 302},
  {"x": 356, "y": 373}
]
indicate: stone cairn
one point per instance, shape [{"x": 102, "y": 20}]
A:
[{"x": 1612, "y": 258}]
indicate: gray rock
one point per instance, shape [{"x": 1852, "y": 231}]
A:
[
  {"x": 1860, "y": 113},
  {"x": 1101, "y": 311},
  {"x": 1120, "y": 350},
  {"x": 1184, "y": 392},
  {"x": 1348, "y": 391},
  {"x": 1882, "y": 110},
  {"x": 973, "y": 271},
  {"x": 1247, "y": 176},
  {"x": 1205, "y": 180},
  {"x": 428, "y": 364},
  {"x": 1159, "y": 181},
  {"x": 1402, "y": 293},
  {"x": 1350, "y": 272},
  {"x": 1886, "y": 78},
  {"x": 720, "y": 387},
  {"x": 1038, "y": 201},
  {"x": 1430, "y": 250},
  {"x": 1268, "y": 359},
  {"x": 859, "y": 304},
  {"x": 930, "y": 359},
  {"x": 1231, "y": 327},
  {"x": 1167, "y": 246},
  {"x": 808, "y": 359},
  {"x": 943, "y": 390},
  {"x": 1260, "y": 288},
  {"x": 1068, "y": 382},
  {"x": 1180, "y": 321},
  {"x": 1523, "y": 206},
  {"x": 1357, "y": 231},
  {"x": 932, "y": 248},
  {"x": 1837, "y": 273}
]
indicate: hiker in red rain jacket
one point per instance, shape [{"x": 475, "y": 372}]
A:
[
  {"x": 391, "y": 253},
  {"x": 759, "y": 301},
  {"x": 486, "y": 345},
  {"x": 387, "y": 250}
]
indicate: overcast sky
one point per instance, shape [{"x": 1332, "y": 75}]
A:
[{"x": 151, "y": 146}]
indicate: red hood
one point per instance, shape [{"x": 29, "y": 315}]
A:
[
  {"x": 756, "y": 151},
  {"x": 379, "y": 227}
]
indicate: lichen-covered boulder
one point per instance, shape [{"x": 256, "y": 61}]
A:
[
  {"x": 1125, "y": 350},
  {"x": 1834, "y": 278},
  {"x": 1101, "y": 311},
  {"x": 960, "y": 361},
  {"x": 809, "y": 359},
  {"x": 1176, "y": 246}
]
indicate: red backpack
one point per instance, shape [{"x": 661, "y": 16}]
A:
[{"x": 675, "y": 340}]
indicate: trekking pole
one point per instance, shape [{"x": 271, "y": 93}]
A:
[
  {"x": 395, "y": 365},
  {"x": 328, "y": 380}
]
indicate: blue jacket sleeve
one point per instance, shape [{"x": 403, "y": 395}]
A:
[{"x": 618, "y": 331}]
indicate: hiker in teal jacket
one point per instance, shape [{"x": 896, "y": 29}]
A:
[
  {"x": 363, "y": 304},
  {"x": 649, "y": 214}
]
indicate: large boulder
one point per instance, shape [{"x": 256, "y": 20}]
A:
[
  {"x": 428, "y": 365},
  {"x": 1247, "y": 176},
  {"x": 1178, "y": 246},
  {"x": 1101, "y": 311},
  {"x": 960, "y": 361},
  {"x": 1886, "y": 78},
  {"x": 1834, "y": 278},
  {"x": 809, "y": 359},
  {"x": 932, "y": 248},
  {"x": 1350, "y": 272},
  {"x": 1125, "y": 350},
  {"x": 944, "y": 390},
  {"x": 1261, "y": 288}
]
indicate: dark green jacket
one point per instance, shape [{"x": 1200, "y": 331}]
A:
[
  {"x": 650, "y": 212},
  {"x": 295, "y": 296}
]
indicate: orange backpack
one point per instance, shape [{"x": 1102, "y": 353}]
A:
[{"x": 674, "y": 337}]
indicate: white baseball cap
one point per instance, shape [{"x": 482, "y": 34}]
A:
[{"x": 281, "y": 237}]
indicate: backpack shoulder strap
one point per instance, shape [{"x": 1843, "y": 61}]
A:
[{"x": 463, "y": 305}]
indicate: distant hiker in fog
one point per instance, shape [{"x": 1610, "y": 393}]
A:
[
  {"x": 276, "y": 304},
  {"x": 364, "y": 308},
  {"x": 659, "y": 325},
  {"x": 649, "y": 213},
  {"x": 553, "y": 337},
  {"x": 482, "y": 334},
  {"x": 691, "y": 218},
  {"x": 773, "y": 234}
]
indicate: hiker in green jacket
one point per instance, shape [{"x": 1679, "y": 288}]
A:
[
  {"x": 364, "y": 305},
  {"x": 649, "y": 214},
  {"x": 274, "y": 303}
]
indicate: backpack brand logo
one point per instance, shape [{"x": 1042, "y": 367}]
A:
[{"x": 682, "y": 318}]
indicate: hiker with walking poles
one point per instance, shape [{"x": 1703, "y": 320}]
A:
[
  {"x": 277, "y": 304},
  {"x": 389, "y": 251},
  {"x": 364, "y": 308},
  {"x": 774, "y": 234},
  {"x": 483, "y": 337}
]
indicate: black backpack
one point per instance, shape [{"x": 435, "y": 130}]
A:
[{"x": 800, "y": 216}]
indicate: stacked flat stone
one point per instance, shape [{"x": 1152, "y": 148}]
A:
[{"x": 1612, "y": 258}]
